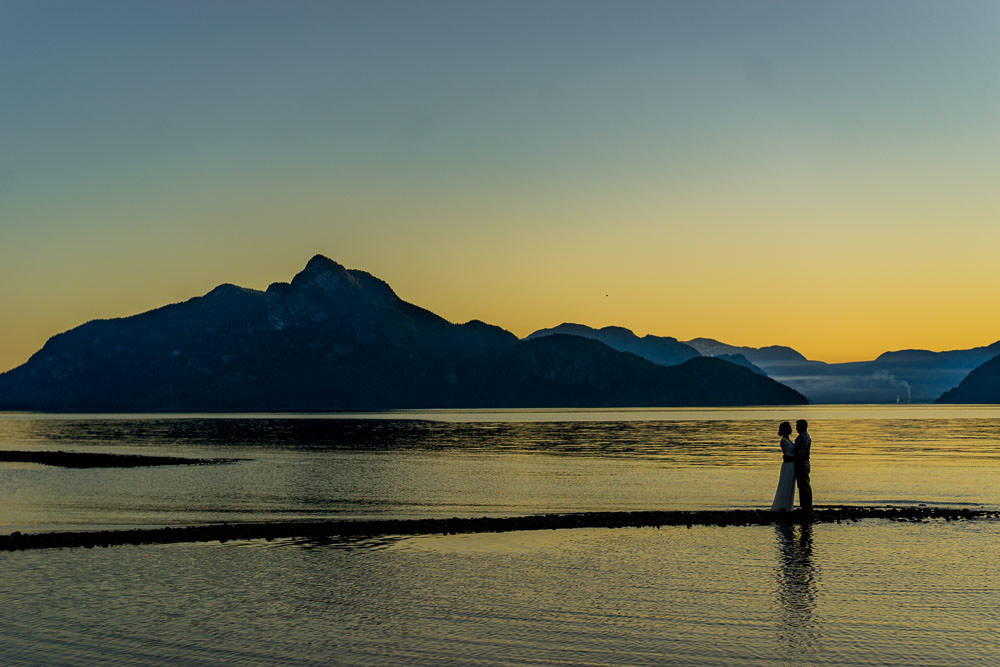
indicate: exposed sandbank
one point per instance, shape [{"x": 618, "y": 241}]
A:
[
  {"x": 371, "y": 528},
  {"x": 98, "y": 460}
]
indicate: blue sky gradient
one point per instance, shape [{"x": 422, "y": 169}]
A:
[{"x": 751, "y": 171}]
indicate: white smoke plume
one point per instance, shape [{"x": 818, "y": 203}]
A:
[{"x": 892, "y": 380}]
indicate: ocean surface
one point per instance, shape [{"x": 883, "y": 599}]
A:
[{"x": 857, "y": 593}]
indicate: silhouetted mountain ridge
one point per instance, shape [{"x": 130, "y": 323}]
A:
[
  {"x": 661, "y": 350},
  {"x": 740, "y": 360},
  {"x": 981, "y": 385},
  {"x": 770, "y": 354},
  {"x": 341, "y": 339},
  {"x": 896, "y": 376},
  {"x": 975, "y": 356}
]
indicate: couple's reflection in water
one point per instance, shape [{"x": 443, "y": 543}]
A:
[{"x": 796, "y": 588}]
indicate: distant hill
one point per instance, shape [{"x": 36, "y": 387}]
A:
[
  {"x": 740, "y": 360},
  {"x": 341, "y": 339},
  {"x": 549, "y": 367},
  {"x": 660, "y": 350},
  {"x": 982, "y": 385},
  {"x": 762, "y": 356}
]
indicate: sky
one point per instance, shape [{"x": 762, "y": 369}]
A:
[{"x": 815, "y": 174}]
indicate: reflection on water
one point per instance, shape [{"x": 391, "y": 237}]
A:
[
  {"x": 693, "y": 442},
  {"x": 888, "y": 594},
  {"x": 796, "y": 588},
  {"x": 312, "y": 467},
  {"x": 878, "y": 434},
  {"x": 839, "y": 594},
  {"x": 346, "y": 543}
]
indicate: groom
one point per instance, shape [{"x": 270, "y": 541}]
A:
[{"x": 801, "y": 455}]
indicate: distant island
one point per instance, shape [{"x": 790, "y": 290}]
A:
[{"x": 337, "y": 339}]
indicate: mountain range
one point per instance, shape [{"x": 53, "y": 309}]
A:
[
  {"x": 662, "y": 350},
  {"x": 905, "y": 376},
  {"x": 341, "y": 339}
]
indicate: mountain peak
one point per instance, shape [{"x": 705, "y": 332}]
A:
[
  {"x": 323, "y": 272},
  {"x": 323, "y": 264}
]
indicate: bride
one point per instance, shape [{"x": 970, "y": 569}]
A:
[{"x": 784, "y": 497}]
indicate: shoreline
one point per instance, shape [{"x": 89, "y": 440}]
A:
[{"x": 340, "y": 528}]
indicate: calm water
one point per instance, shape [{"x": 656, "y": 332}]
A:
[{"x": 857, "y": 593}]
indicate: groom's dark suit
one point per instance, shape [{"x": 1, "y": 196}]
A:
[{"x": 803, "y": 444}]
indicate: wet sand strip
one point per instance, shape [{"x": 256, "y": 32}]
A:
[
  {"x": 98, "y": 460},
  {"x": 348, "y": 529}
]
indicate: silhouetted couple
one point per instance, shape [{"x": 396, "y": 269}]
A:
[{"x": 794, "y": 468}]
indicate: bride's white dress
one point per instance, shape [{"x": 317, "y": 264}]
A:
[{"x": 784, "y": 497}]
